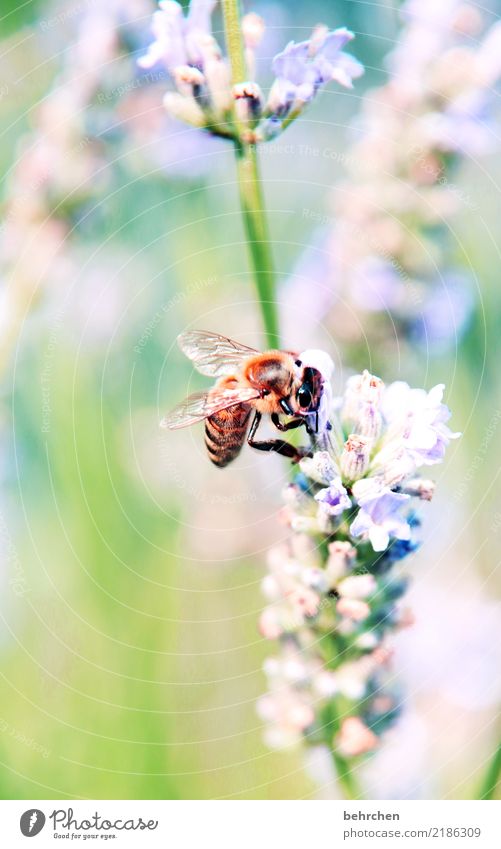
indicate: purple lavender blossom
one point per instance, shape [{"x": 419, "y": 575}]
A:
[
  {"x": 334, "y": 498},
  {"x": 297, "y": 78},
  {"x": 333, "y": 64},
  {"x": 178, "y": 38},
  {"x": 303, "y": 67},
  {"x": 419, "y": 418},
  {"x": 379, "y": 518}
]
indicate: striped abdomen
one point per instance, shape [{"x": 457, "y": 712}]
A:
[{"x": 225, "y": 433}]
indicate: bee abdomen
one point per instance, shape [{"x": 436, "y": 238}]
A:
[{"x": 225, "y": 434}]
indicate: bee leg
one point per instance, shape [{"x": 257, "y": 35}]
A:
[
  {"x": 288, "y": 425},
  {"x": 277, "y": 445}
]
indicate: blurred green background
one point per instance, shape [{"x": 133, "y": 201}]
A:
[{"x": 129, "y": 655}]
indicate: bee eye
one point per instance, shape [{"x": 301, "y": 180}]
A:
[{"x": 304, "y": 397}]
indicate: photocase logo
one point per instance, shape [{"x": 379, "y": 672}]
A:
[
  {"x": 63, "y": 822},
  {"x": 32, "y": 822}
]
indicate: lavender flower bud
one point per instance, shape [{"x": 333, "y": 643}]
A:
[
  {"x": 420, "y": 487},
  {"x": 305, "y": 524},
  {"x": 369, "y": 421},
  {"x": 355, "y": 738},
  {"x": 269, "y": 624},
  {"x": 304, "y": 549},
  {"x": 357, "y": 586},
  {"x": 253, "y": 28},
  {"x": 184, "y": 109},
  {"x": 393, "y": 466},
  {"x": 367, "y": 640},
  {"x": 294, "y": 496},
  {"x": 316, "y": 579},
  {"x": 304, "y": 601},
  {"x": 249, "y": 101},
  {"x": 270, "y": 588},
  {"x": 325, "y": 684},
  {"x": 362, "y": 389},
  {"x": 319, "y": 468},
  {"x": 188, "y": 76},
  {"x": 217, "y": 74},
  {"x": 340, "y": 561},
  {"x": 353, "y": 609},
  {"x": 352, "y": 678},
  {"x": 355, "y": 457}
]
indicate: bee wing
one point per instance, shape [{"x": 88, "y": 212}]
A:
[
  {"x": 200, "y": 406},
  {"x": 212, "y": 354}
]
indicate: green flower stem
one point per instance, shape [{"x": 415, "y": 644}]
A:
[
  {"x": 344, "y": 772},
  {"x": 234, "y": 43},
  {"x": 250, "y": 187},
  {"x": 253, "y": 211},
  {"x": 346, "y": 779},
  {"x": 492, "y": 776}
]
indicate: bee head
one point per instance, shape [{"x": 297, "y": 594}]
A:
[
  {"x": 310, "y": 389},
  {"x": 314, "y": 370}
]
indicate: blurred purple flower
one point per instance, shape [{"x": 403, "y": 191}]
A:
[
  {"x": 377, "y": 285},
  {"x": 186, "y": 152},
  {"x": 437, "y": 108},
  {"x": 305, "y": 296},
  {"x": 466, "y": 127},
  {"x": 446, "y": 313},
  {"x": 429, "y": 14}
]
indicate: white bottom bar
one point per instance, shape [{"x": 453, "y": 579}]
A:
[{"x": 253, "y": 825}]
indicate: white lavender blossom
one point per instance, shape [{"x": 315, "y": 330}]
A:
[{"x": 334, "y": 587}]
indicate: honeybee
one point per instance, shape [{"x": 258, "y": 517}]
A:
[{"x": 270, "y": 383}]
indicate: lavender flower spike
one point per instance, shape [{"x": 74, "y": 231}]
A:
[
  {"x": 335, "y": 585},
  {"x": 205, "y": 96},
  {"x": 436, "y": 110}
]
